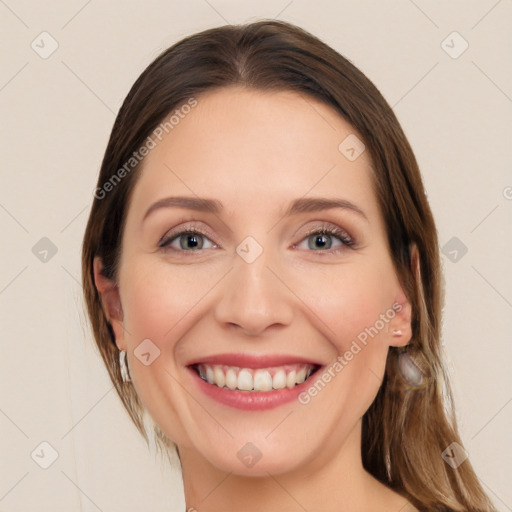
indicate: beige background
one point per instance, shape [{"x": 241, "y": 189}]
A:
[{"x": 57, "y": 113}]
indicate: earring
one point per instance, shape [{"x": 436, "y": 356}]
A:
[
  {"x": 409, "y": 371},
  {"x": 125, "y": 374}
]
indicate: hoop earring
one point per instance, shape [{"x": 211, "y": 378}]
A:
[{"x": 125, "y": 374}]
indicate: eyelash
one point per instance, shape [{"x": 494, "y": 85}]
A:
[{"x": 325, "y": 229}]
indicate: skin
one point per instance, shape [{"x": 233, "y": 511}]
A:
[{"x": 255, "y": 152}]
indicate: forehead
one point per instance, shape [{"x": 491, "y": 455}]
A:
[{"x": 251, "y": 147}]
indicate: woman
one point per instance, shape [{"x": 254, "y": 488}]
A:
[{"x": 261, "y": 271}]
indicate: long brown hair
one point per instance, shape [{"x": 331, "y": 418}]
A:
[{"x": 407, "y": 428}]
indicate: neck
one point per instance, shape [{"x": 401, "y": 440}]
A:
[{"x": 329, "y": 481}]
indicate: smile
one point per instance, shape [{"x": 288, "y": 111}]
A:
[
  {"x": 252, "y": 382},
  {"x": 255, "y": 379}
]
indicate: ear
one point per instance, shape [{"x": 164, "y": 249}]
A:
[
  {"x": 400, "y": 328},
  {"x": 111, "y": 302}
]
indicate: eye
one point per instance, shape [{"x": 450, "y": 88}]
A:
[
  {"x": 321, "y": 239},
  {"x": 189, "y": 240},
  {"x": 325, "y": 238}
]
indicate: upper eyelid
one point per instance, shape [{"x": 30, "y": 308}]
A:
[{"x": 329, "y": 227}]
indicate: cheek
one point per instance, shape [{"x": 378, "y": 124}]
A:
[
  {"x": 350, "y": 301},
  {"x": 355, "y": 305},
  {"x": 157, "y": 302},
  {"x": 158, "y": 297}
]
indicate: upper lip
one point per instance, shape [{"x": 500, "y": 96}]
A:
[{"x": 253, "y": 360}]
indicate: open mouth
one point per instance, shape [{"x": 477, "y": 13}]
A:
[{"x": 268, "y": 379}]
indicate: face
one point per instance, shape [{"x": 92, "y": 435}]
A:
[{"x": 225, "y": 306}]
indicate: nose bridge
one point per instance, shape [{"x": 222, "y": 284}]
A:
[{"x": 252, "y": 297}]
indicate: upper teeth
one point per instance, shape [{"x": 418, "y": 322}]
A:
[{"x": 248, "y": 379}]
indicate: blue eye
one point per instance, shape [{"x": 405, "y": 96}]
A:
[{"x": 321, "y": 239}]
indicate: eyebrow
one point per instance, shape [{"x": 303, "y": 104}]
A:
[{"x": 301, "y": 205}]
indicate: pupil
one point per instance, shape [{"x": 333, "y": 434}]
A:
[
  {"x": 192, "y": 241},
  {"x": 321, "y": 240}
]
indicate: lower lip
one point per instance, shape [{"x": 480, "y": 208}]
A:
[{"x": 252, "y": 400}]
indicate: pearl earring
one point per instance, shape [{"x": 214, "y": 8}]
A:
[{"x": 409, "y": 371}]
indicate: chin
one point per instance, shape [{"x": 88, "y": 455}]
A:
[{"x": 257, "y": 460}]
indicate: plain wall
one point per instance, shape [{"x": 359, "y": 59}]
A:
[{"x": 57, "y": 113}]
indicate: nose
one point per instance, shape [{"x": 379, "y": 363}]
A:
[{"x": 253, "y": 298}]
